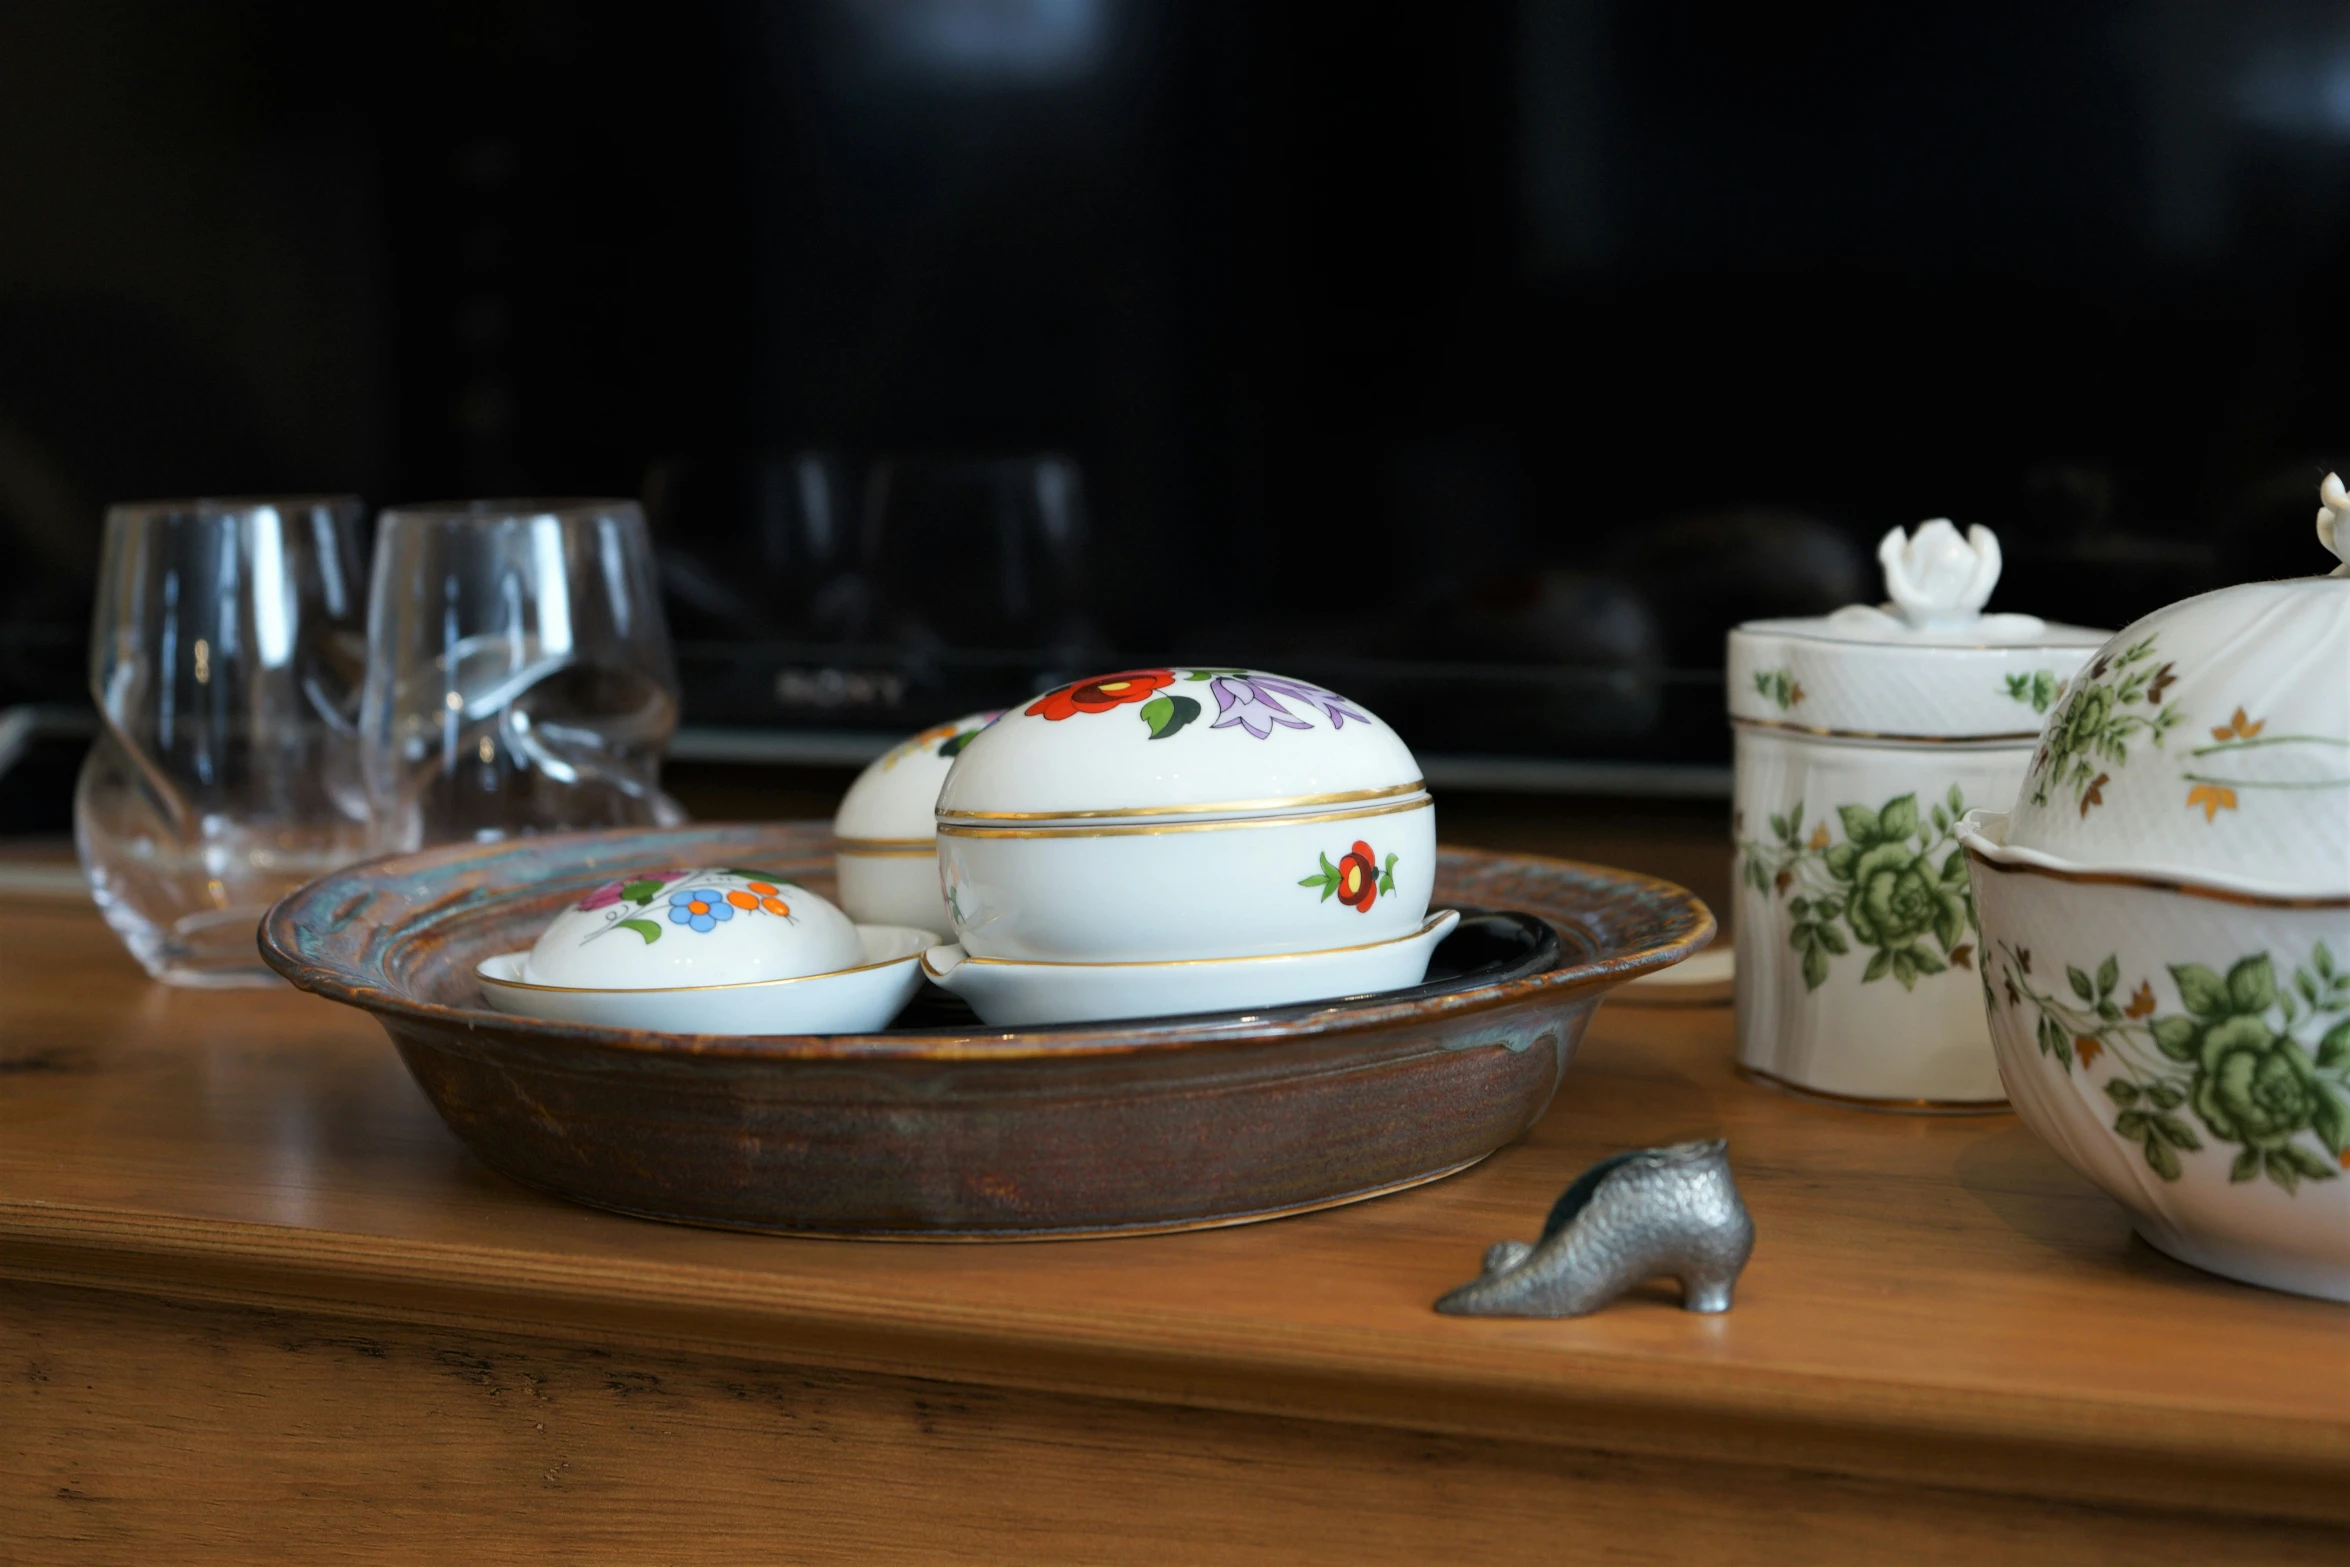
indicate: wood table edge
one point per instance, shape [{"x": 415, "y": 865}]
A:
[{"x": 1916, "y": 1433}]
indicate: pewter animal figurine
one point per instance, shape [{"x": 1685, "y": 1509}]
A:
[{"x": 1628, "y": 1219}]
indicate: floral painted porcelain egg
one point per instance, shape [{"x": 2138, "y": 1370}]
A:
[
  {"x": 697, "y": 927},
  {"x": 886, "y": 831},
  {"x": 1862, "y": 737},
  {"x": 2166, "y": 926},
  {"x": 1179, "y": 813}
]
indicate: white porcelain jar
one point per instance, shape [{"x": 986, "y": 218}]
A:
[
  {"x": 2166, "y": 922},
  {"x": 1184, "y": 813},
  {"x": 1862, "y": 737},
  {"x": 885, "y": 835}
]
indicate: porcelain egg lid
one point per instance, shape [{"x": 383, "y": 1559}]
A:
[
  {"x": 1927, "y": 664},
  {"x": 1187, "y": 742},
  {"x": 691, "y": 928},
  {"x": 894, "y": 801},
  {"x": 2209, "y": 742}
]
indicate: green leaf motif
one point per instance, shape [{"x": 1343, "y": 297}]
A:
[
  {"x": 2252, "y": 985},
  {"x": 1898, "y": 819},
  {"x": 1166, "y": 715},
  {"x": 2333, "y": 1051},
  {"x": 2080, "y": 983},
  {"x": 2204, "y": 992},
  {"x": 1860, "y": 824},
  {"x": 2109, "y": 974},
  {"x": 1327, "y": 880},
  {"x": 645, "y": 928},
  {"x": 2330, "y": 1119},
  {"x": 2176, "y": 1037},
  {"x": 640, "y": 891}
]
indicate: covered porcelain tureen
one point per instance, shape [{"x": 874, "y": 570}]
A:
[{"x": 2166, "y": 926}]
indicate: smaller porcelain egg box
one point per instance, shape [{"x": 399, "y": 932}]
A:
[
  {"x": 695, "y": 927},
  {"x": 885, "y": 834},
  {"x": 716, "y": 951}
]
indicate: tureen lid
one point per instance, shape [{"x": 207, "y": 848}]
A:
[
  {"x": 2210, "y": 741},
  {"x": 1927, "y": 664},
  {"x": 1189, "y": 740},
  {"x": 895, "y": 799}
]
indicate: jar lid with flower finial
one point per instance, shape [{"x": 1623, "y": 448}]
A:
[{"x": 1927, "y": 664}]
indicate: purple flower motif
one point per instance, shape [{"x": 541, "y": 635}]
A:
[
  {"x": 603, "y": 897},
  {"x": 1254, "y": 703}
]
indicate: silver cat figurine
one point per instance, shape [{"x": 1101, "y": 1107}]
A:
[{"x": 1628, "y": 1219}]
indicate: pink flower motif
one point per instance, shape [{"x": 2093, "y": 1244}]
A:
[{"x": 603, "y": 897}]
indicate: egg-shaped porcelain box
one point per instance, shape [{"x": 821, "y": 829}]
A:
[
  {"x": 690, "y": 928},
  {"x": 712, "y": 951},
  {"x": 2166, "y": 922},
  {"x": 885, "y": 835},
  {"x": 1159, "y": 815},
  {"x": 1862, "y": 737}
]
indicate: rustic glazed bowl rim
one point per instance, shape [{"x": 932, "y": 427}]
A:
[{"x": 1687, "y": 926}]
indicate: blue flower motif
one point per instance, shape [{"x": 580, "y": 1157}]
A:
[{"x": 700, "y": 907}]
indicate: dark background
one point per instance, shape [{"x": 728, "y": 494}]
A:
[{"x": 1487, "y": 360}]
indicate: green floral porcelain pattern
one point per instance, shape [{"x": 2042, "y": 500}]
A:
[
  {"x": 1896, "y": 879},
  {"x": 2117, "y": 701},
  {"x": 1778, "y": 687},
  {"x": 2038, "y": 690},
  {"x": 2259, "y": 1064}
]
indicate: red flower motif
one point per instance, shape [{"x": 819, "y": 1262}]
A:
[
  {"x": 1101, "y": 693},
  {"x": 1358, "y": 878}
]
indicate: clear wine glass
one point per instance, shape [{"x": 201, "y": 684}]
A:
[
  {"x": 225, "y": 660},
  {"x": 519, "y": 676}
]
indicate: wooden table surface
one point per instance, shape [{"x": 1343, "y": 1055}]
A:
[{"x": 255, "y": 1300}]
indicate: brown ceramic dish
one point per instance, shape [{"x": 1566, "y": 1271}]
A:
[{"x": 960, "y": 1131}]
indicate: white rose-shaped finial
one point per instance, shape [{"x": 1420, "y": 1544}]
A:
[
  {"x": 1937, "y": 579},
  {"x": 2333, "y": 510}
]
